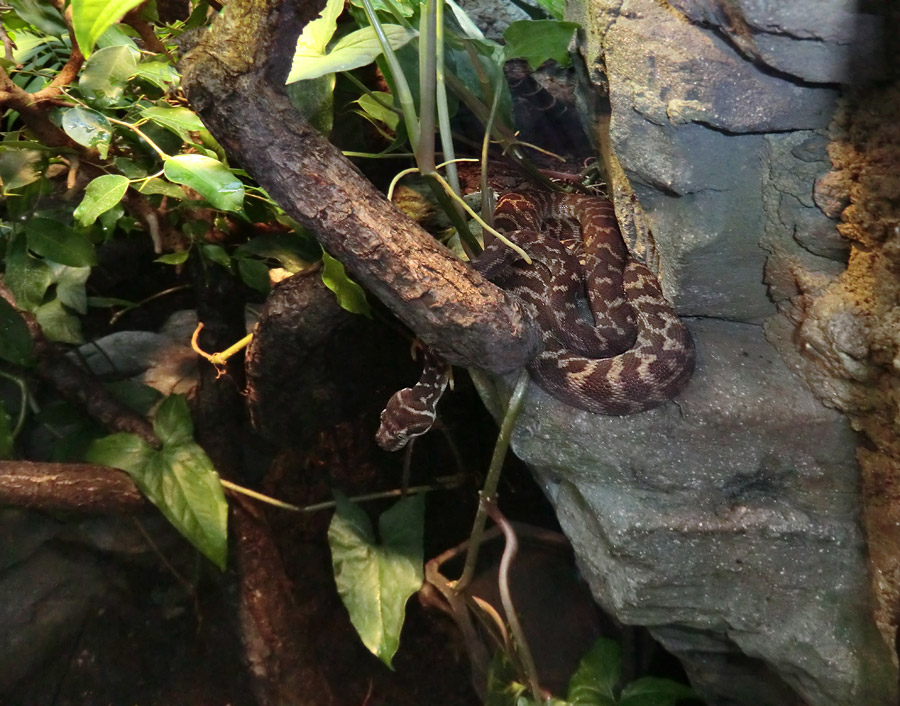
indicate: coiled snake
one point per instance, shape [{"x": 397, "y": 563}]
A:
[{"x": 635, "y": 355}]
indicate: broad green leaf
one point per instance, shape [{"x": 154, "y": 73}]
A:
[
  {"x": 539, "y": 40},
  {"x": 172, "y": 423},
  {"x": 91, "y": 18},
  {"x": 292, "y": 250},
  {"x": 117, "y": 35},
  {"x": 173, "y": 258},
  {"x": 555, "y": 8},
  {"x": 349, "y": 294},
  {"x": 182, "y": 121},
  {"x": 70, "y": 285},
  {"x": 58, "y": 242},
  {"x": 653, "y": 691},
  {"x": 100, "y": 195},
  {"x": 6, "y": 437},
  {"x": 377, "y": 110},
  {"x": 465, "y": 22},
  {"x": 127, "y": 452},
  {"x": 160, "y": 73},
  {"x": 135, "y": 395},
  {"x": 57, "y": 323},
  {"x": 162, "y": 187},
  {"x": 597, "y": 676},
  {"x": 216, "y": 253},
  {"x": 27, "y": 277},
  {"x": 179, "y": 478},
  {"x": 181, "y": 481},
  {"x": 16, "y": 345},
  {"x": 41, "y": 15},
  {"x": 255, "y": 274},
  {"x": 18, "y": 168},
  {"x": 403, "y": 7},
  {"x": 316, "y": 34},
  {"x": 106, "y": 75},
  {"x": 209, "y": 177},
  {"x": 356, "y": 49},
  {"x": 89, "y": 128},
  {"x": 314, "y": 100},
  {"x": 375, "y": 580}
]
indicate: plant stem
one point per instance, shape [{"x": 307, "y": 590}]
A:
[
  {"x": 427, "y": 72},
  {"x": 489, "y": 491},
  {"x": 443, "y": 109}
]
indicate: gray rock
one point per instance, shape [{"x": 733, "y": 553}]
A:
[{"x": 726, "y": 522}]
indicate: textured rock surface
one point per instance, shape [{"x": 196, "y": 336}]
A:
[{"x": 728, "y": 521}]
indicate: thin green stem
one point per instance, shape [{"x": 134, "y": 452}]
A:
[
  {"x": 23, "y": 404},
  {"x": 489, "y": 491},
  {"x": 487, "y": 195},
  {"x": 372, "y": 94},
  {"x": 137, "y": 131},
  {"x": 404, "y": 95},
  {"x": 441, "y": 483},
  {"x": 427, "y": 73}
]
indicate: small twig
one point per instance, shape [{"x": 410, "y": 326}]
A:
[
  {"x": 489, "y": 490},
  {"x": 509, "y": 553},
  {"x": 441, "y": 483},
  {"x": 218, "y": 359}
]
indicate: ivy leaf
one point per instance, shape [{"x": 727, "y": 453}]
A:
[
  {"x": 27, "y": 277},
  {"x": 106, "y": 75},
  {"x": 653, "y": 691},
  {"x": 539, "y": 40},
  {"x": 179, "y": 478},
  {"x": 91, "y": 18},
  {"x": 16, "y": 345},
  {"x": 70, "y": 285},
  {"x": 375, "y": 580},
  {"x": 209, "y": 177},
  {"x": 597, "y": 676},
  {"x": 58, "y": 242},
  {"x": 100, "y": 195},
  {"x": 555, "y": 8},
  {"x": 357, "y": 49},
  {"x": 349, "y": 294},
  {"x": 89, "y": 128}
]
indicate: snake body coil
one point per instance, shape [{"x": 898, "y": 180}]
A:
[{"x": 612, "y": 344}]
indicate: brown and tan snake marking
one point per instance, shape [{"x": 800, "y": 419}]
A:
[{"x": 635, "y": 355}]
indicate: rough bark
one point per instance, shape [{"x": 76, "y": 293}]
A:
[
  {"x": 69, "y": 487},
  {"x": 449, "y": 306}
]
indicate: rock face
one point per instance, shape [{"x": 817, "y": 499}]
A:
[{"x": 727, "y": 521}]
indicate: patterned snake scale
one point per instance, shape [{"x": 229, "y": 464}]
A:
[{"x": 635, "y": 355}]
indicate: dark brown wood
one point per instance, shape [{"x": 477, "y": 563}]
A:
[
  {"x": 70, "y": 487},
  {"x": 449, "y": 306}
]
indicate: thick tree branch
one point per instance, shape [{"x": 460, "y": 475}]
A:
[
  {"x": 446, "y": 303},
  {"x": 70, "y": 487}
]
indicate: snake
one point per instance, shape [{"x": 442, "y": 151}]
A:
[{"x": 611, "y": 342}]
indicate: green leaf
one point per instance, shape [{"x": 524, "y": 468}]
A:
[
  {"x": 314, "y": 100},
  {"x": 91, "y": 18},
  {"x": 597, "y": 676},
  {"x": 27, "y": 277},
  {"x": 41, "y": 15},
  {"x": 18, "y": 168},
  {"x": 173, "y": 258},
  {"x": 57, "y": 323},
  {"x": 539, "y": 40},
  {"x": 106, "y": 75},
  {"x": 357, "y": 49},
  {"x": 58, "y": 242},
  {"x": 89, "y": 128},
  {"x": 172, "y": 423},
  {"x": 349, "y": 294},
  {"x": 294, "y": 251},
  {"x": 100, "y": 195},
  {"x": 404, "y": 7},
  {"x": 653, "y": 691},
  {"x": 375, "y": 580},
  {"x": 16, "y": 345},
  {"x": 161, "y": 187},
  {"x": 70, "y": 285},
  {"x": 127, "y": 452},
  {"x": 555, "y": 8},
  {"x": 160, "y": 73},
  {"x": 255, "y": 274},
  {"x": 377, "y": 111},
  {"x": 179, "y": 478},
  {"x": 182, "y": 121},
  {"x": 317, "y": 33},
  {"x": 6, "y": 437},
  {"x": 209, "y": 177},
  {"x": 216, "y": 253}
]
